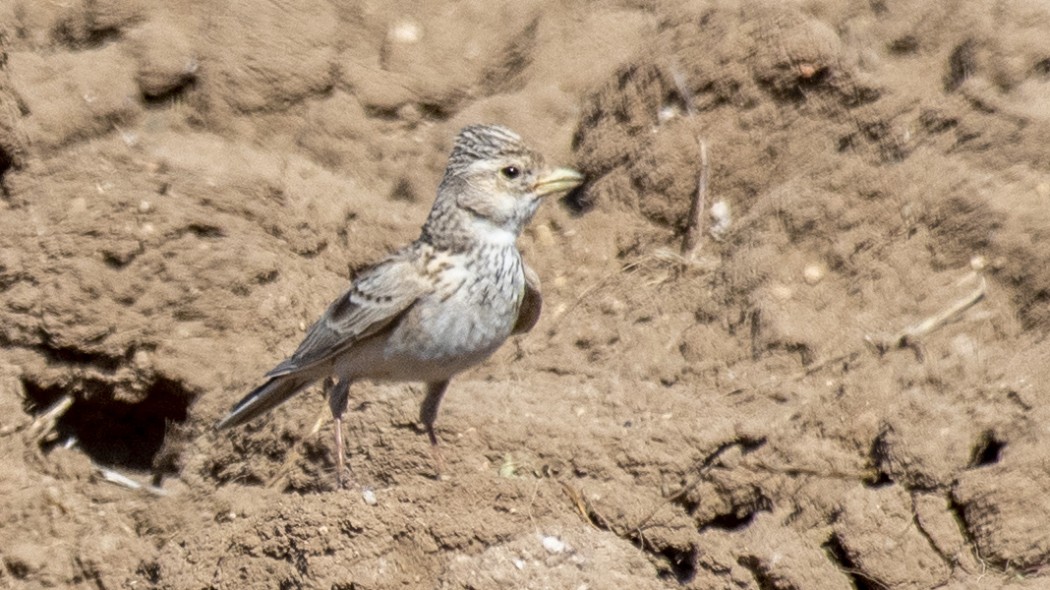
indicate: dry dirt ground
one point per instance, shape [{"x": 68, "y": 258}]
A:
[{"x": 842, "y": 386}]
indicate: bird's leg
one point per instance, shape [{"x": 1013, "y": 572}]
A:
[
  {"x": 428, "y": 412},
  {"x": 338, "y": 398}
]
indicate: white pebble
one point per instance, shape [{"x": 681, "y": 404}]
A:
[
  {"x": 813, "y": 274},
  {"x": 666, "y": 113},
  {"x": 369, "y": 497},
  {"x": 721, "y": 218},
  {"x": 145, "y": 206},
  {"x": 405, "y": 32},
  {"x": 553, "y": 545}
]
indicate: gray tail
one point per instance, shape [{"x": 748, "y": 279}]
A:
[{"x": 264, "y": 398}]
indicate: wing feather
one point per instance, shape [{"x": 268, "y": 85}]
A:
[
  {"x": 531, "y": 302},
  {"x": 377, "y": 298}
]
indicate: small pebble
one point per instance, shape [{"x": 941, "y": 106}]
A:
[
  {"x": 553, "y": 545},
  {"x": 612, "y": 306},
  {"x": 141, "y": 360},
  {"x": 813, "y": 274},
  {"x": 544, "y": 236},
  {"x": 782, "y": 292},
  {"x": 369, "y": 497},
  {"x": 721, "y": 218},
  {"x": 405, "y": 32}
]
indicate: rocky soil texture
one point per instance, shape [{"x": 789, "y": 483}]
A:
[{"x": 840, "y": 384}]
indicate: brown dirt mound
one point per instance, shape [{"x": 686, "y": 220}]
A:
[{"x": 841, "y": 386}]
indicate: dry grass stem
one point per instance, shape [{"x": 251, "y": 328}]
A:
[
  {"x": 45, "y": 423},
  {"x": 911, "y": 336},
  {"x": 695, "y": 227}
]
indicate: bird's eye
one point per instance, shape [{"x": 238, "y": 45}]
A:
[{"x": 510, "y": 172}]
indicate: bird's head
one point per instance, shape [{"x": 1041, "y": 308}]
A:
[{"x": 494, "y": 182}]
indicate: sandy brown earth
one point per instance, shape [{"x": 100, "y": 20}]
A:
[{"x": 843, "y": 385}]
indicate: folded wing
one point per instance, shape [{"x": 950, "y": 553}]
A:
[
  {"x": 531, "y": 302},
  {"x": 378, "y": 297}
]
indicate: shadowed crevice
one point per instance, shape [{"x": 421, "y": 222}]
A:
[
  {"x": 111, "y": 431},
  {"x": 682, "y": 562},
  {"x": 836, "y": 551},
  {"x": 987, "y": 451}
]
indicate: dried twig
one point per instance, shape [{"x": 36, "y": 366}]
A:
[
  {"x": 695, "y": 227},
  {"x": 122, "y": 480},
  {"x": 683, "y": 89},
  {"x": 697, "y": 209},
  {"x": 44, "y": 424},
  {"x": 702, "y": 469},
  {"x": 817, "y": 367},
  {"x": 285, "y": 469},
  {"x": 578, "y": 502},
  {"x": 909, "y": 337}
]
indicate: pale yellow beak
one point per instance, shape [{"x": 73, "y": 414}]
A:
[{"x": 556, "y": 181}]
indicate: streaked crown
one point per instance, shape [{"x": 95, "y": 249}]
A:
[{"x": 484, "y": 142}]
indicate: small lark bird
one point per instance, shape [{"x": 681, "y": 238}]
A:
[{"x": 438, "y": 306}]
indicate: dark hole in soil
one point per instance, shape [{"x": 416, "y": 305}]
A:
[
  {"x": 7, "y": 162},
  {"x": 987, "y": 451},
  {"x": 838, "y": 554},
  {"x": 732, "y": 522},
  {"x": 880, "y": 480},
  {"x": 185, "y": 84},
  {"x": 761, "y": 574},
  {"x": 682, "y": 562},
  {"x": 879, "y": 456},
  {"x": 578, "y": 201},
  {"x": 740, "y": 519},
  {"x": 115, "y": 433}
]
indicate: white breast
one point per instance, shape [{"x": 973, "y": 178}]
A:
[{"x": 468, "y": 316}]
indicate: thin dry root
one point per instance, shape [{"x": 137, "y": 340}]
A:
[
  {"x": 282, "y": 473},
  {"x": 122, "y": 480},
  {"x": 697, "y": 210},
  {"x": 319, "y": 422},
  {"x": 45, "y": 423},
  {"x": 578, "y": 502},
  {"x": 818, "y": 367},
  {"x": 911, "y": 337},
  {"x": 683, "y": 89},
  {"x": 286, "y": 468}
]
